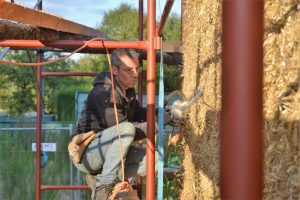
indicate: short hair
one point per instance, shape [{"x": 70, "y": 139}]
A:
[{"x": 117, "y": 53}]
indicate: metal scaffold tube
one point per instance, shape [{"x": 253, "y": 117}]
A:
[
  {"x": 241, "y": 118},
  {"x": 151, "y": 79},
  {"x": 73, "y": 44}
]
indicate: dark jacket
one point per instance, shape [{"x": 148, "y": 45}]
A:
[{"x": 98, "y": 112}]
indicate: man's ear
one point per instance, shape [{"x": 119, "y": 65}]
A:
[{"x": 115, "y": 70}]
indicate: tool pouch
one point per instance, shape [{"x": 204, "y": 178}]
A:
[{"x": 78, "y": 145}]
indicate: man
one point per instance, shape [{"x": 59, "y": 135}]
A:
[{"x": 102, "y": 156}]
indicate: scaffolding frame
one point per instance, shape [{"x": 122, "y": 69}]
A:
[{"x": 150, "y": 46}]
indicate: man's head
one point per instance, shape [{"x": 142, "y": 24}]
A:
[{"x": 125, "y": 63}]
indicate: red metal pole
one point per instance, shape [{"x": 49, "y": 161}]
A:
[
  {"x": 164, "y": 16},
  {"x": 38, "y": 128},
  {"x": 150, "y": 142},
  {"x": 241, "y": 118},
  {"x": 73, "y": 44}
]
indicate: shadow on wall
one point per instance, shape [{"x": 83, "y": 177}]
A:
[
  {"x": 202, "y": 132},
  {"x": 204, "y": 149},
  {"x": 281, "y": 150}
]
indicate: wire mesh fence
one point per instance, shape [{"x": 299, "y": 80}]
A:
[{"x": 18, "y": 162}]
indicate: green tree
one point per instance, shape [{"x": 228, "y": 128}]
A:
[
  {"x": 121, "y": 23},
  {"x": 171, "y": 31},
  {"x": 18, "y": 91},
  {"x": 90, "y": 63},
  {"x": 18, "y": 84}
]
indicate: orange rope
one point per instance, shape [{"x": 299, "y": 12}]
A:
[
  {"x": 51, "y": 61},
  {"x": 124, "y": 184}
]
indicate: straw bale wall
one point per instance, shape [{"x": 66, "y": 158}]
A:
[{"x": 202, "y": 70}]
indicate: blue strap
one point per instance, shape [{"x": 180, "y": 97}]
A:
[
  {"x": 44, "y": 157},
  {"x": 160, "y": 139}
]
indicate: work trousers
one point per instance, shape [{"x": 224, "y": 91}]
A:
[{"x": 103, "y": 158}]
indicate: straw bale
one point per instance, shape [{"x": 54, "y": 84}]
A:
[
  {"x": 281, "y": 99},
  {"x": 202, "y": 70},
  {"x": 201, "y": 54}
]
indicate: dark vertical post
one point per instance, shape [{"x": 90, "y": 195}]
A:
[
  {"x": 164, "y": 17},
  {"x": 241, "y": 118},
  {"x": 38, "y": 122},
  {"x": 38, "y": 128},
  {"x": 140, "y": 86},
  {"x": 140, "y": 37},
  {"x": 150, "y": 142}
]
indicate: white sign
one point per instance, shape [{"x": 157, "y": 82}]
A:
[{"x": 49, "y": 147}]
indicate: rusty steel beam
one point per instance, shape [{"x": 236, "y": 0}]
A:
[
  {"x": 164, "y": 16},
  {"x": 67, "y": 44},
  {"x": 242, "y": 100},
  {"x": 151, "y": 79}
]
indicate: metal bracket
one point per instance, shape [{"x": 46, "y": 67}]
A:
[{"x": 157, "y": 43}]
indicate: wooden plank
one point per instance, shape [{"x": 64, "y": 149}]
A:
[{"x": 22, "y": 14}]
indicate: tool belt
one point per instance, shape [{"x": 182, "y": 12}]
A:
[{"x": 78, "y": 145}]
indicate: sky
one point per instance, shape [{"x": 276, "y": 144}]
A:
[{"x": 91, "y": 12}]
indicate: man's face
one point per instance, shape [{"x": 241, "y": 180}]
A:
[{"x": 127, "y": 74}]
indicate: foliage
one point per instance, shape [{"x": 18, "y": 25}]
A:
[
  {"x": 121, "y": 23},
  {"x": 19, "y": 86},
  {"x": 63, "y": 101},
  {"x": 172, "y": 78},
  {"x": 91, "y": 63},
  {"x": 173, "y": 159},
  {"x": 19, "y": 83},
  {"x": 171, "y": 31}
]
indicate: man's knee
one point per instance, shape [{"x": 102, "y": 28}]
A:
[{"x": 127, "y": 128}]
